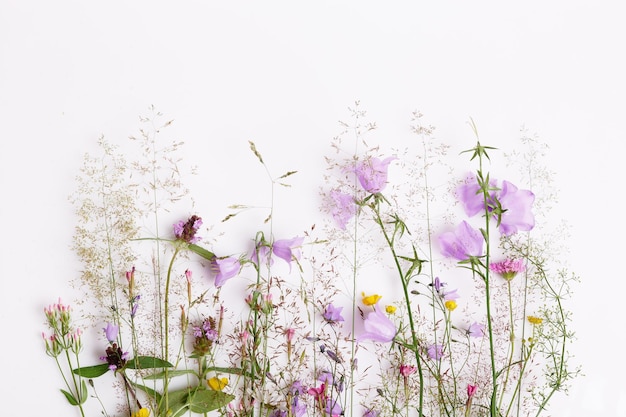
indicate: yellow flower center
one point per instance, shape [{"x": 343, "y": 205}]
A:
[{"x": 217, "y": 384}]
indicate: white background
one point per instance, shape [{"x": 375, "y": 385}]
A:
[{"x": 282, "y": 74}]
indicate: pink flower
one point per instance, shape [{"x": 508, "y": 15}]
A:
[
  {"x": 508, "y": 268},
  {"x": 471, "y": 390},
  {"x": 225, "y": 269},
  {"x": 372, "y": 174},
  {"x": 463, "y": 243},
  {"x": 406, "y": 370},
  {"x": 378, "y": 327}
]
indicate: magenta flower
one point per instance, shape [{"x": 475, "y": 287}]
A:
[
  {"x": 288, "y": 249},
  {"x": 406, "y": 370},
  {"x": 225, "y": 269},
  {"x": 371, "y": 413},
  {"x": 518, "y": 215},
  {"x": 378, "y": 327},
  {"x": 508, "y": 268},
  {"x": 435, "y": 352},
  {"x": 372, "y": 174},
  {"x": 463, "y": 243},
  {"x": 111, "y": 332},
  {"x": 343, "y": 208},
  {"x": 332, "y": 314},
  {"x": 471, "y": 390},
  {"x": 476, "y": 330}
]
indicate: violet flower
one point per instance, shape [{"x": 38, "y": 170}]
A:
[
  {"x": 518, "y": 215},
  {"x": 464, "y": 242},
  {"x": 372, "y": 174},
  {"x": 332, "y": 314},
  {"x": 371, "y": 413},
  {"x": 225, "y": 269},
  {"x": 378, "y": 327},
  {"x": 435, "y": 352},
  {"x": 288, "y": 249},
  {"x": 111, "y": 332},
  {"x": 186, "y": 230},
  {"x": 343, "y": 208},
  {"x": 476, "y": 330}
]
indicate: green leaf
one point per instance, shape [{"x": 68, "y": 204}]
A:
[
  {"x": 147, "y": 362},
  {"x": 176, "y": 403},
  {"x": 92, "y": 371},
  {"x": 201, "y": 251},
  {"x": 170, "y": 374},
  {"x": 70, "y": 397},
  {"x": 83, "y": 392},
  {"x": 154, "y": 394},
  {"x": 204, "y": 400}
]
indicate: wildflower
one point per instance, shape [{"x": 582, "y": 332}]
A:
[
  {"x": 333, "y": 408},
  {"x": 111, "y": 332},
  {"x": 143, "y": 412},
  {"x": 371, "y": 300},
  {"x": 217, "y": 384},
  {"x": 471, "y": 390},
  {"x": 378, "y": 327},
  {"x": 186, "y": 231},
  {"x": 464, "y": 242},
  {"x": 288, "y": 249},
  {"x": 516, "y": 204},
  {"x": 518, "y": 215},
  {"x": 390, "y": 309},
  {"x": 332, "y": 314},
  {"x": 115, "y": 357},
  {"x": 476, "y": 330},
  {"x": 450, "y": 305},
  {"x": 371, "y": 413},
  {"x": 225, "y": 269},
  {"x": 435, "y": 352},
  {"x": 535, "y": 320},
  {"x": 406, "y": 370},
  {"x": 343, "y": 208},
  {"x": 450, "y": 295},
  {"x": 134, "y": 305},
  {"x": 289, "y": 334},
  {"x": 508, "y": 268},
  {"x": 372, "y": 174}
]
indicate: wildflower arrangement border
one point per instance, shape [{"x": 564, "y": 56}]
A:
[{"x": 477, "y": 324}]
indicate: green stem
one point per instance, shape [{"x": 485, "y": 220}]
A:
[
  {"x": 166, "y": 306},
  {"x": 511, "y": 348}
]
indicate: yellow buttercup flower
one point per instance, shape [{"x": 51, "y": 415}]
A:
[
  {"x": 371, "y": 300},
  {"x": 390, "y": 309},
  {"x": 217, "y": 384},
  {"x": 535, "y": 320},
  {"x": 144, "y": 412},
  {"x": 451, "y": 305}
]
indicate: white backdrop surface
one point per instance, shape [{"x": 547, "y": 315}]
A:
[{"x": 282, "y": 74}]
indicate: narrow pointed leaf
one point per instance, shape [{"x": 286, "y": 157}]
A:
[
  {"x": 147, "y": 362},
  {"x": 202, "y": 252},
  {"x": 70, "y": 397},
  {"x": 92, "y": 371},
  {"x": 203, "y": 400}
]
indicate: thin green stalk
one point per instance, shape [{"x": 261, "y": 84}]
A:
[
  {"x": 166, "y": 306},
  {"x": 404, "y": 280},
  {"x": 511, "y": 347}
]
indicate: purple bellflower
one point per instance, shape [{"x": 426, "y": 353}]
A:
[
  {"x": 372, "y": 174},
  {"x": 332, "y": 314},
  {"x": 111, "y": 332},
  {"x": 518, "y": 215},
  {"x": 463, "y": 243},
  {"x": 343, "y": 208},
  {"x": 378, "y": 327},
  {"x": 225, "y": 269}
]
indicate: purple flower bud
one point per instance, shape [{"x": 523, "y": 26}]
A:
[{"x": 111, "y": 332}]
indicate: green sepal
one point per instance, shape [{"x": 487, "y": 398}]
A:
[
  {"x": 204, "y": 400},
  {"x": 92, "y": 371},
  {"x": 147, "y": 362},
  {"x": 201, "y": 251},
  {"x": 70, "y": 397}
]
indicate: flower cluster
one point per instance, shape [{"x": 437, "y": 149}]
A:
[{"x": 384, "y": 317}]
